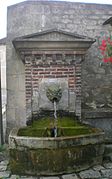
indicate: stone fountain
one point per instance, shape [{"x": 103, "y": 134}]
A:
[{"x": 52, "y": 62}]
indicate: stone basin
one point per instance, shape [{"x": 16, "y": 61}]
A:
[{"x": 54, "y": 156}]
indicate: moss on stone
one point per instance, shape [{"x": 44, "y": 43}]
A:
[
  {"x": 66, "y": 127},
  {"x": 53, "y": 161}
]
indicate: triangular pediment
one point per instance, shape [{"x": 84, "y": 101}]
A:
[
  {"x": 53, "y": 35},
  {"x": 53, "y": 40}
]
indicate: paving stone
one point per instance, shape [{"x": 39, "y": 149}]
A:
[
  {"x": 4, "y": 162},
  {"x": 5, "y": 174},
  {"x": 28, "y": 177},
  {"x": 107, "y": 165},
  {"x": 89, "y": 174},
  {"x": 14, "y": 177},
  {"x": 52, "y": 177},
  {"x": 70, "y": 176},
  {"x": 2, "y": 157},
  {"x": 107, "y": 173},
  {"x": 3, "y": 168},
  {"x": 98, "y": 167}
]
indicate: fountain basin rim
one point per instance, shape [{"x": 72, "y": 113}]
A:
[{"x": 52, "y": 142}]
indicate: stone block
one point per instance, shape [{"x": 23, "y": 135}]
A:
[
  {"x": 98, "y": 167},
  {"x": 106, "y": 173},
  {"x": 53, "y": 177},
  {"x": 3, "y": 168},
  {"x": 5, "y": 174},
  {"x": 72, "y": 100},
  {"x": 89, "y": 174},
  {"x": 108, "y": 165},
  {"x": 44, "y": 102},
  {"x": 70, "y": 176}
]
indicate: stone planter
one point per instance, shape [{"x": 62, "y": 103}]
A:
[{"x": 54, "y": 156}]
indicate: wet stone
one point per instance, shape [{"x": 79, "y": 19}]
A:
[
  {"x": 89, "y": 174},
  {"x": 107, "y": 172},
  {"x": 70, "y": 176}
]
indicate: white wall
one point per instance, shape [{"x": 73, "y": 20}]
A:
[
  {"x": 3, "y": 85},
  {"x": 3, "y": 72}
]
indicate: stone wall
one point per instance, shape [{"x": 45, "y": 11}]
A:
[{"x": 85, "y": 19}]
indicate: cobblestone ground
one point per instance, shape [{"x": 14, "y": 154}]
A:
[{"x": 103, "y": 171}]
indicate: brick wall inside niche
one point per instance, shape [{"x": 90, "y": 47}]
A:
[
  {"x": 66, "y": 67},
  {"x": 35, "y": 73}
]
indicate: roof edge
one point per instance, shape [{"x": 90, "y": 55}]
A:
[
  {"x": 3, "y": 41},
  {"x": 53, "y": 30}
]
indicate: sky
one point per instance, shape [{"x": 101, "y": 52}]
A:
[{"x": 5, "y": 3}]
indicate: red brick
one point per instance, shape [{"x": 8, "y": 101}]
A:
[
  {"x": 49, "y": 76},
  {"x": 71, "y": 86},
  {"x": 71, "y": 75},
  {"x": 35, "y": 72},
  {"x": 62, "y": 69},
  {"x": 50, "y": 69},
  {"x": 56, "y": 73},
  {"x": 38, "y": 69},
  {"x": 61, "y": 76},
  {"x": 44, "y": 73},
  {"x": 27, "y": 79},
  {"x": 40, "y": 76},
  {"x": 35, "y": 79}
]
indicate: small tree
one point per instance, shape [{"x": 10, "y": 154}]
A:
[{"x": 106, "y": 49}]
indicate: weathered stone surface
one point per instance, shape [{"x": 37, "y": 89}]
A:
[
  {"x": 44, "y": 102},
  {"x": 5, "y": 174},
  {"x": 89, "y": 174},
  {"x": 71, "y": 176},
  {"x": 63, "y": 154},
  {"x": 4, "y": 162},
  {"x": 108, "y": 157},
  {"x": 27, "y": 177},
  {"x": 107, "y": 173},
  {"x": 98, "y": 167},
  {"x": 107, "y": 165},
  {"x": 108, "y": 148},
  {"x": 3, "y": 167},
  {"x": 53, "y": 177},
  {"x": 14, "y": 177}
]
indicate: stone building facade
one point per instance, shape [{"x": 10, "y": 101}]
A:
[{"x": 81, "y": 18}]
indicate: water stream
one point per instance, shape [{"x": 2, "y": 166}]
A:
[{"x": 55, "y": 119}]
